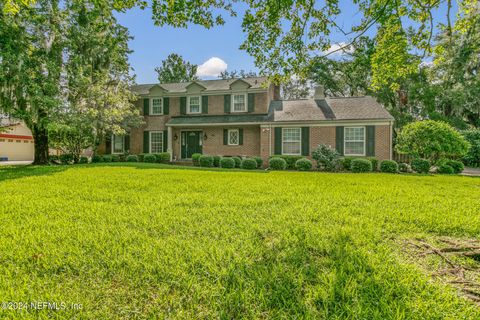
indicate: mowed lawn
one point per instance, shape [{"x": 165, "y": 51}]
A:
[{"x": 141, "y": 241}]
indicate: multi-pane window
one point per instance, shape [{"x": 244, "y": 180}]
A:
[
  {"x": 354, "y": 141},
  {"x": 291, "y": 141},
  {"x": 239, "y": 103},
  {"x": 156, "y": 141},
  {"x": 194, "y": 104},
  {"x": 233, "y": 137},
  {"x": 118, "y": 144},
  {"x": 157, "y": 106}
]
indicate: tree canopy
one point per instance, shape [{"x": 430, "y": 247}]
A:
[{"x": 175, "y": 69}]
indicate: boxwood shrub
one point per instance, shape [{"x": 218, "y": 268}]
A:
[
  {"x": 206, "y": 161},
  {"x": 162, "y": 157},
  {"x": 115, "y": 158},
  {"x": 150, "y": 158},
  {"x": 374, "y": 162},
  {"x": 277, "y": 163},
  {"x": 238, "y": 161},
  {"x": 303, "y": 164},
  {"x": 249, "y": 164},
  {"x": 83, "y": 160},
  {"x": 403, "y": 167},
  {"x": 216, "y": 161},
  {"x": 456, "y": 165},
  {"x": 289, "y": 160},
  {"x": 196, "y": 158},
  {"x": 97, "y": 158},
  {"x": 107, "y": 158},
  {"x": 66, "y": 158},
  {"x": 131, "y": 158},
  {"x": 361, "y": 165},
  {"x": 227, "y": 163},
  {"x": 420, "y": 165},
  {"x": 347, "y": 163},
  {"x": 389, "y": 166},
  {"x": 259, "y": 161},
  {"x": 445, "y": 169}
]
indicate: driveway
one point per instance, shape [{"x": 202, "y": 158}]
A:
[
  {"x": 14, "y": 163},
  {"x": 471, "y": 172}
]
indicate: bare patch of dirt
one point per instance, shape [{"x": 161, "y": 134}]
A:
[{"x": 453, "y": 261}]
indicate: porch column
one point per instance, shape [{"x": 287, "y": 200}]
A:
[{"x": 170, "y": 143}]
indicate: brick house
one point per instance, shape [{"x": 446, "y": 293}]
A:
[{"x": 245, "y": 117}]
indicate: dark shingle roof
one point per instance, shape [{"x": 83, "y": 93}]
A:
[
  {"x": 217, "y": 119},
  {"x": 354, "y": 108},
  {"x": 210, "y": 85}
]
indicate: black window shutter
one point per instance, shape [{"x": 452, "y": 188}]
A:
[
  {"x": 339, "y": 140},
  {"x": 205, "y": 104},
  {"x": 370, "y": 141},
  {"x": 225, "y": 136},
  {"x": 146, "y": 141},
  {"x": 278, "y": 141},
  {"x": 183, "y": 105},
  {"x": 108, "y": 144},
  {"x": 251, "y": 102},
  {"x": 226, "y": 103},
  {"x": 305, "y": 141},
  {"x": 127, "y": 143},
  {"x": 165, "y": 140},
  {"x": 146, "y": 106},
  {"x": 240, "y": 136},
  {"x": 166, "y": 106}
]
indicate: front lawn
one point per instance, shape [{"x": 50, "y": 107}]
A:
[{"x": 143, "y": 241}]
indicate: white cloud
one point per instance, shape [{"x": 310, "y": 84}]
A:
[
  {"x": 340, "y": 48},
  {"x": 211, "y": 68}
]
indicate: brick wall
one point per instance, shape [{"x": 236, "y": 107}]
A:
[{"x": 382, "y": 142}]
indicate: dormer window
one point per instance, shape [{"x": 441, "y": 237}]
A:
[
  {"x": 156, "y": 106},
  {"x": 194, "y": 104},
  {"x": 239, "y": 102}
]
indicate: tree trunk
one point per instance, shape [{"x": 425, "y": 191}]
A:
[{"x": 40, "y": 137}]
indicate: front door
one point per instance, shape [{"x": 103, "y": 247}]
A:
[{"x": 191, "y": 143}]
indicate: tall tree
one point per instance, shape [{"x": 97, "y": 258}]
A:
[
  {"x": 237, "y": 74},
  {"x": 176, "y": 69}
]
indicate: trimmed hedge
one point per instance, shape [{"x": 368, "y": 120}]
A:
[
  {"x": 196, "y": 158},
  {"x": 259, "y": 161},
  {"x": 150, "y": 158},
  {"x": 361, "y": 165},
  {"x": 403, "y": 167},
  {"x": 83, "y": 160},
  {"x": 206, "y": 161},
  {"x": 249, "y": 164},
  {"x": 66, "y": 158},
  {"x": 420, "y": 165},
  {"x": 347, "y": 162},
  {"x": 227, "y": 163},
  {"x": 162, "y": 157},
  {"x": 289, "y": 160},
  {"x": 216, "y": 161},
  {"x": 131, "y": 158},
  {"x": 277, "y": 163},
  {"x": 115, "y": 158},
  {"x": 456, "y": 165},
  {"x": 97, "y": 158},
  {"x": 389, "y": 166},
  {"x": 303, "y": 164},
  {"x": 107, "y": 158},
  {"x": 238, "y": 161},
  {"x": 445, "y": 169},
  {"x": 374, "y": 162}
]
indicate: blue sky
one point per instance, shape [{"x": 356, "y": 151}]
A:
[{"x": 152, "y": 44}]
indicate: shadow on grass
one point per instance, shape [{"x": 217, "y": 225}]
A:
[
  {"x": 17, "y": 172},
  {"x": 294, "y": 279}
]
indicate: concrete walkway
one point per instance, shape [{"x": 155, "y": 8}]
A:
[
  {"x": 14, "y": 163},
  {"x": 471, "y": 172}
]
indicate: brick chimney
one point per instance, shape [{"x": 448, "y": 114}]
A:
[
  {"x": 319, "y": 93},
  {"x": 276, "y": 92}
]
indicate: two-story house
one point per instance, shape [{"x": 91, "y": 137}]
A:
[{"x": 245, "y": 117}]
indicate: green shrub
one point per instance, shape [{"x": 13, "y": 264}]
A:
[
  {"x": 303, "y": 164},
  {"x": 389, "y": 166},
  {"x": 361, "y": 165},
  {"x": 249, "y": 164},
  {"x": 227, "y": 163},
  {"x": 445, "y": 169},
  {"x": 107, "y": 158},
  {"x": 140, "y": 157},
  {"x": 66, "y": 158},
  {"x": 83, "y": 160},
  {"x": 374, "y": 162},
  {"x": 259, "y": 161},
  {"x": 472, "y": 158},
  {"x": 326, "y": 157},
  {"x": 131, "y": 158},
  {"x": 420, "y": 165},
  {"x": 403, "y": 167},
  {"x": 115, "y": 158},
  {"x": 205, "y": 161},
  {"x": 163, "y": 157},
  {"x": 97, "y": 158},
  {"x": 289, "y": 160},
  {"x": 347, "y": 163},
  {"x": 216, "y": 161},
  {"x": 238, "y": 161},
  {"x": 196, "y": 158},
  {"x": 277, "y": 163},
  {"x": 54, "y": 159},
  {"x": 150, "y": 158},
  {"x": 456, "y": 165}
]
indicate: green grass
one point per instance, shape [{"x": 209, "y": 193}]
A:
[{"x": 143, "y": 241}]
